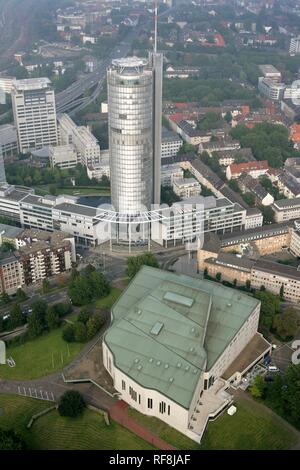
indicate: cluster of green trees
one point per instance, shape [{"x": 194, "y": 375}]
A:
[
  {"x": 282, "y": 395},
  {"x": 84, "y": 329},
  {"x": 211, "y": 120},
  {"x": 208, "y": 92},
  {"x": 21, "y": 174},
  {"x": 46, "y": 317},
  {"x": 167, "y": 195},
  {"x": 87, "y": 286},
  {"x": 10, "y": 440},
  {"x": 135, "y": 263},
  {"x": 267, "y": 141}
]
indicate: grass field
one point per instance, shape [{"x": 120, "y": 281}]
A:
[
  {"x": 107, "y": 302},
  {"x": 51, "y": 431},
  {"x": 41, "y": 356},
  {"x": 248, "y": 429}
]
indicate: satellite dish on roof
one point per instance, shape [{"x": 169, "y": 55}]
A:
[{"x": 2, "y": 352}]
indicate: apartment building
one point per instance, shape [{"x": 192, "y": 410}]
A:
[
  {"x": 170, "y": 143},
  {"x": 273, "y": 276},
  {"x": 169, "y": 172},
  {"x": 34, "y": 109},
  {"x": 294, "y": 48},
  {"x": 85, "y": 143},
  {"x": 254, "y": 169},
  {"x": 38, "y": 255}
]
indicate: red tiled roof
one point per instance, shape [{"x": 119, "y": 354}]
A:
[{"x": 248, "y": 166}]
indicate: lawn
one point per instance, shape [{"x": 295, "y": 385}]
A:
[
  {"x": 108, "y": 301},
  {"x": 51, "y": 431},
  {"x": 248, "y": 429},
  {"x": 41, "y": 356}
]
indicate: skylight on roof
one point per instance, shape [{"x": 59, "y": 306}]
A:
[
  {"x": 178, "y": 299},
  {"x": 156, "y": 328}
]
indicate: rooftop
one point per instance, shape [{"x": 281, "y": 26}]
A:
[
  {"x": 29, "y": 84},
  {"x": 169, "y": 328}
]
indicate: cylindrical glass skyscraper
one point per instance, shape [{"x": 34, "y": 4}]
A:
[{"x": 130, "y": 111}]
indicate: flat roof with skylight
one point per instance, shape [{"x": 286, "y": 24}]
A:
[{"x": 169, "y": 328}]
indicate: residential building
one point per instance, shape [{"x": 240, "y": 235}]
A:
[
  {"x": 186, "y": 187},
  {"x": 172, "y": 346},
  {"x": 248, "y": 184},
  {"x": 294, "y": 46},
  {"x": 34, "y": 109},
  {"x": 273, "y": 276},
  {"x": 170, "y": 144},
  {"x": 288, "y": 185},
  {"x": 170, "y": 172},
  {"x": 39, "y": 255},
  {"x": 254, "y": 169}
]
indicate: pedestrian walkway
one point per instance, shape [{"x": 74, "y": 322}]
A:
[{"x": 119, "y": 413}]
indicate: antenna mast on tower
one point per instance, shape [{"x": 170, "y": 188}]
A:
[{"x": 155, "y": 26}]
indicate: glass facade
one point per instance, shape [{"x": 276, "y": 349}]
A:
[{"x": 130, "y": 107}]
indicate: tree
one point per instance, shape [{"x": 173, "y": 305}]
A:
[
  {"x": 93, "y": 325},
  {"x": 52, "y": 318},
  {"x": 10, "y": 440},
  {"x": 218, "y": 277},
  {"x": 249, "y": 199},
  {"x": 281, "y": 293},
  {"x": 257, "y": 389},
  {"x": 268, "y": 214},
  {"x": 84, "y": 316},
  {"x": 68, "y": 334},
  {"x": 37, "y": 322},
  {"x": 248, "y": 284},
  {"x": 136, "y": 262},
  {"x": 46, "y": 286},
  {"x": 270, "y": 305},
  {"x": 80, "y": 332},
  {"x": 71, "y": 404},
  {"x": 16, "y": 317},
  {"x": 286, "y": 324},
  {"x": 21, "y": 295},
  {"x": 4, "y": 298}
]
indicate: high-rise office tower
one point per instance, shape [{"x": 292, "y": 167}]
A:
[
  {"x": 134, "y": 109},
  {"x": 34, "y": 111}
]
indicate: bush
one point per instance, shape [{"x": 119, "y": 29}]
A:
[
  {"x": 68, "y": 334},
  {"x": 80, "y": 332},
  {"x": 93, "y": 325},
  {"x": 71, "y": 404},
  {"x": 10, "y": 440},
  {"x": 84, "y": 316}
]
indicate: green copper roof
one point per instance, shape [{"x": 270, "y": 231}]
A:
[{"x": 168, "y": 328}]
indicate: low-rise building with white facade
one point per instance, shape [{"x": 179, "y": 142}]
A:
[
  {"x": 286, "y": 209},
  {"x": 254, "y": 218},
  {"x": 170, "y": 143},
  {"x": 172, "y": 346},
  {"x": 63, "y": 156},
  {"x": 169, "y": 172},
  {"x": 271, "y": 88},
  {"x": 186, "y": 187}
]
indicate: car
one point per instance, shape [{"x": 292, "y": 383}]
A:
[
  {"x": 269, "y": 378},
  {"x": 6, "y": 316},
  {"x": 273, "y": 369}
]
